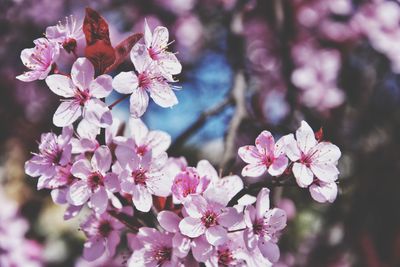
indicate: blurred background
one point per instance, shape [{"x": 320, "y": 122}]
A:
[{"x": 248, "y": 65}]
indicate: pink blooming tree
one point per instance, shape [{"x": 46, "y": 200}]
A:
[{"x": 170, "y": 213}]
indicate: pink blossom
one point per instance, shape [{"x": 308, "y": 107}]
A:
[
  {"x": 96, "y": 184},
  {"x": 83, "y": 93},
  {"x": 142, "y": 140},
  {"x": 311, "y": 158},
  {"x": 204, "y": 176},
  {"x": 103, "y": 232},
  {"x": 54, "y": 151},
  {"x": 142, "y": 177},
  {"x": 231, "y": 253},
  {"x": 265, "y": 156},
  {"x": 188, "y": 182},
  {"x": 148, "y": 79},
  {"x": 263, "y": 225},
  {"x": 209, "y": 217},
  {"x": 323, "y": 192},
  {"x": 317, "y": 78},
  {"x": 201, "y": 249},
  {"x": 156, "y": 44},
  {"x": 66, "y": 34},
  {"x": 154, "y": 249},
  {"x": 39, "y": 60}
]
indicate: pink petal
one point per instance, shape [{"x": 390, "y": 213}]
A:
[
  {"x": 325, "y": 192},
  {"x": 216, "y": 235},
  {"x": 305, "y": 137},
  {"x": 163, "y": 95},
  {"x": 112, "y": 243},
  {"x": 81, "y": 169},
  {"x": 140, "y": 57},
  {"x": 265, "y": 143},
  {"x": 254, "y": 170},
  {"x": 205, "y": 169},
  {"x": 61, "y": 85},
  {"x": 201, "y": 249},
  {"x": 148, "y": 36},
  {"x": 303, "y": 174},
  {"x": 29, "y": 76},
  {"x": 169, "y": 221},
  {"x": 276, "y": 219},
  {"x": 250, "y": 239},
  {"x": 101, "y": 86},
  {"x": 159, "y": 141},
  {"x": 250, "y": 154},
  {"x": 79, "y": 193},
  {"x": 191, "y": 227},
  {"x": 139, "y": 130},
  {"x": 71, "y": 212},
  {"x": 97, "y": 113},
  {"x": 262, "y": 204},
  {"x": 82, "y": 73},
  {"x": 326, "y": 153},
  {"x": 142, "y": 198},
  {"x": 139, "y": 101},
  {"x": 125, "y": 82},
  {"x": 101, "y": 159},
  {"x": 278, "y": 166},
  {"x": 99, "y": 200},
  {"x": 280, "y": 147},
  {"x": 269, "y": 250},
  {"x": 126, "y": 156},
  {"x": 249, "y": 215},
  {"x": 160, "y": 184},
  {"x": 67, "y": 113},
  {"x": 291, "y": 148},
  {"x": 170, "y": 64},
  {"x": 111, "y": 182},
  {"x": 231, "y": 185},
  {"x": 160, "y": 37},
  {"x": 195, "y": 206},
  {"x": 181, "y": 245},
  {"x": 93, "y": 248},
  {"x": 230, "y": 217},
  {"x": 325, "y": 172}
]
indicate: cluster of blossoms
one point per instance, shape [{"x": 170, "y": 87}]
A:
[
  {"x": 15, "y": 249},
  {"x": 312, "y": 162},
  {"x": 325, "y": 30},
  {"x": 175, "y": 215}
]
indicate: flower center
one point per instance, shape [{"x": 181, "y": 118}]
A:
[
  {"x": 209, "y": 219},
  {"x": 153, "y": 53},
  {"x": 139, "y": 177},
  {"x": 267, "y": 161},
  {"x": 225, "y": 257},
  {"x": 163, "y": 255},
  {"x": 95, "y": 180},
  {"x": 141, "y": 150},
  {"x": 82, "y": 96},
  {"x": 144, "y": 80},
  {"x": 105, "y": 228}
]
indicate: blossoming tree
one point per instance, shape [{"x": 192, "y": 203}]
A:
[{"x": 169, "y": 213}]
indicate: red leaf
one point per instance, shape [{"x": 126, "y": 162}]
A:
[
  {"x": 159, "y": 202},
  {"x": 122, "y": 50},
  {"x": 98, "y": 45},
  {"x": 319, "y": 135}
]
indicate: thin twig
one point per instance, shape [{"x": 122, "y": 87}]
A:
[
  {"x": 119, "y": 100},
  {"x": 195, "y": 126},
  {"x": 238, "y": 94}
]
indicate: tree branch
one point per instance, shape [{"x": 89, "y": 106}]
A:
[
  {"x": 182, "y": 138},
  {"x": 238, "y": 94}
]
